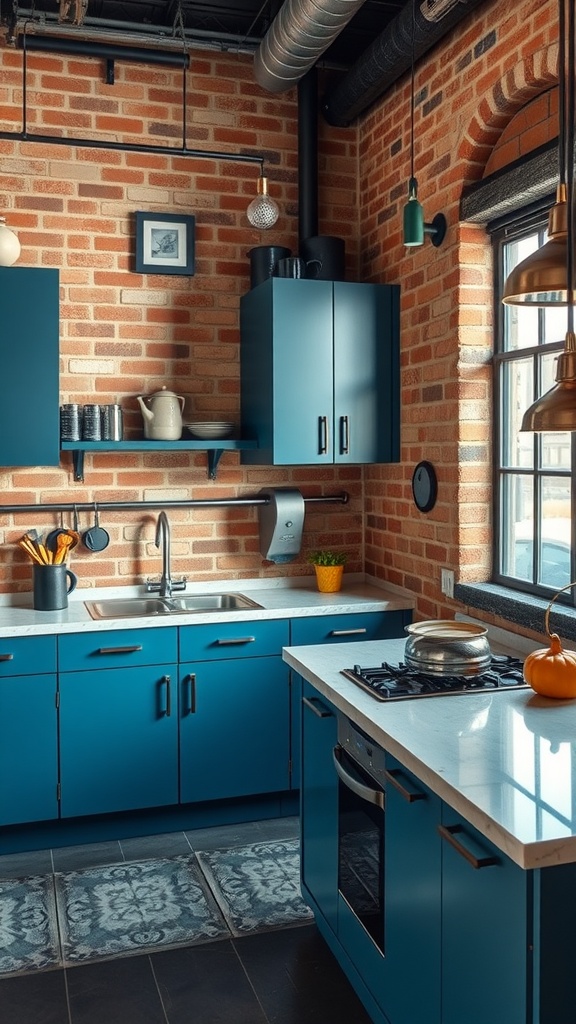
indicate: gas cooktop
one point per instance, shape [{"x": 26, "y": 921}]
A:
[{"x": 402, "y": 682}]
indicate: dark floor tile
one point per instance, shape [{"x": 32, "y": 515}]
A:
[
  {"x": 206, "y": 985},
  {"x": 121, "y": 991},
  {"x": 224, "y": 836},
  {"x": 173, "y": 844},
  {"x": 297, "y": 979},
  {"x": 73, "y": 858},
  {"x": 34, "y": 999},
  {"x": 279, "y": 828},
  {"x": 22, "y": 865}
]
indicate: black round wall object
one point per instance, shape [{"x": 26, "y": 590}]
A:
[{"x": 424, "y": 486}]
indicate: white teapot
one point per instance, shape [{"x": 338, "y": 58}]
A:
[{"x": 162, "y": 413}]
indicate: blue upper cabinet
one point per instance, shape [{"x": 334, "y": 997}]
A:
[
  {"x": 30, "y": 416},
  {"x": 320, "y": 375}
]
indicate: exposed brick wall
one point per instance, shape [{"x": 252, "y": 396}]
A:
[{"x": 123, "y": 334}]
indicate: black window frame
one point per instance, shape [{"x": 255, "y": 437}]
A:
[{"x": 512, "y": 227}]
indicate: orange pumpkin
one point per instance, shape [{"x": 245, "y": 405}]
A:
[{"x": 551, "y": 671}]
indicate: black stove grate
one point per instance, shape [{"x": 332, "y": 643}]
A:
[{"x": 399, "y": 682}]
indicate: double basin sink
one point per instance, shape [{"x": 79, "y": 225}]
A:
[{"x": 138, "y": 607}]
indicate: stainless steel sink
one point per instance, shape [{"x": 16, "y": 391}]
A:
[{"x": 139, "y": 607}]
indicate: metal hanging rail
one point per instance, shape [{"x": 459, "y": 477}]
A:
[
  {"x": 112, "y": 506},
  {"x": 115, "y": 53}
]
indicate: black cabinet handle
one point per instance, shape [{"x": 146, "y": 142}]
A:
[
  {"x": 344, "y": 435},
  {"x": 317, "y": 707},
  {"x": 449, "y": 833},
  {"x": 6, "y": 657},
  {"x": 120, "y": 650},
  {"x": 323, "y": 435},
  {"x": 190, "y": 682},
  {"x": 392, "y": 777},
  {"x": 167, "y": 709}
]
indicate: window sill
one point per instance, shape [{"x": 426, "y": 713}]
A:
[{"x": 524, "y": 610}]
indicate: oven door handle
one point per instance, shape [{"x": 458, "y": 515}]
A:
[{"x": 371, "y": 796}]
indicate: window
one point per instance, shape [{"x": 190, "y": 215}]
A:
[{"x": 533, "y": 492}]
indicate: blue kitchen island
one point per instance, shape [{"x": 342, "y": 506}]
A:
[{"x": 444, "y": 880}]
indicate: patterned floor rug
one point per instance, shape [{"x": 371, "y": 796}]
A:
[
  {"x": 135, "y": 906},
  {"x": 28, "y": 926},
  {"x": 257, "y": 887}
]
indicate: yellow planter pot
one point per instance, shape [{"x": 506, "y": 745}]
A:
[{"x": 329, "y": 578}]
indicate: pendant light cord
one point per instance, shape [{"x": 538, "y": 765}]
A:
[
  {"x": 412, "y": 90},
  {"x": 570, "y": 87}
]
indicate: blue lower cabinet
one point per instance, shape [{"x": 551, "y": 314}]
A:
[
  {"x": 234, "y": 728},
  {"x": 330, "y": 629},
  {"x": 28, "y": 749},
  {"x": 296, "y": 682},
  {"x": 486, "y": 944},
  {"x": 118, "y": 739},
  {"x": 319, "y": 806}
]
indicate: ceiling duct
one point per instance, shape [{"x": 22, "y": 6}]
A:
[
  {"x": 390, "y": 55},
  {"x": 300, "y": 33}
]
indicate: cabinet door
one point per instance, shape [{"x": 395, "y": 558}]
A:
[
  {"x": 29, "y": 412},
  {"x": 366, "y": 373},
  {"x": 319, "y": 805},
  {"x": 409, "y": 983},
  {"x": 287, "y": 376},
  {"x": 118, "y": 740},
  {"x": 28, "y": 749},
  {"x": 484, "y": 929},
  {"x": 234, "y": 729}
]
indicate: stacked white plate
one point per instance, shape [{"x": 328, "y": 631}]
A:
[{"x": 209, "y": 431}]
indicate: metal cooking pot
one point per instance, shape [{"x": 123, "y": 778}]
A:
[{"x": 448, "y": 648}]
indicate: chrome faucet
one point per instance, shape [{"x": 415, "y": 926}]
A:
[{"x": 167, "y": 585}]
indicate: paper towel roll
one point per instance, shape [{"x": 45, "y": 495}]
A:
[{"x": 281, "y": 524}]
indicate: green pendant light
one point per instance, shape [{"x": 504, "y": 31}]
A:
[{"x": 415, "y": 227}]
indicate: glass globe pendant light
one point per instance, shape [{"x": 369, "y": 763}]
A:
[
  {"x": 9, "y": 245},
  {"x": 263, "y": 212}
]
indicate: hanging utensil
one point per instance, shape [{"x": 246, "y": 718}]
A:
[
  {"x": 96, "y": 538},
  {"x": 64, "y": 543}
]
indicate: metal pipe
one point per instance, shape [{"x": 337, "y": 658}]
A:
[
  {"x": 83, "y": 48},
  {"x": 116, "y": 506},
  {"x": 308, "y": 156},
  {"x": 128, "y": 147}
]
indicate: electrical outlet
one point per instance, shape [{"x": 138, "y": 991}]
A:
[{"x": 447, "y": 582}]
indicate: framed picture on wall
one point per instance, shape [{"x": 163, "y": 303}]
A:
[{"x": 164, "y": 243}]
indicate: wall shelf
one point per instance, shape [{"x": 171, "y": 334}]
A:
[{"x": 214, "y": 450}]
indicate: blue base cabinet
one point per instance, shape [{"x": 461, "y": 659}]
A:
[
  {"x": 319, "y": 805},
  {"x": 118, "y": 721},
  {"x": 234, "y": 710},
  {"x": 28, "y": 730},
  {"x": 469, "y": 936},
  {"x": 485, "y": 921},
  {"x": 330, "y": 350}
]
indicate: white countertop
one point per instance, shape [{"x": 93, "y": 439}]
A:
[
  {"x": 505, "y": 761},
  {"x": 280, "y": 598}
]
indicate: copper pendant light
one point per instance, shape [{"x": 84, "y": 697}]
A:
[
  {"x": 556, "y": 410},
  {"x": 540, "y": 279}
]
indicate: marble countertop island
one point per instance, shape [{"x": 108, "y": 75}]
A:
[{"x": 505, "y": 761}]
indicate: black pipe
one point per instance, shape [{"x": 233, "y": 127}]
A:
[
  {"x": 134, "y": 147},
  {"x": 308, "y": 156},
  {"x": 108, "y": 51},
  {"x": 114, "y": 506}
]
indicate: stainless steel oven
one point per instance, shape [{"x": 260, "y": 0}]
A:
[{"x": 359, "y": 765}]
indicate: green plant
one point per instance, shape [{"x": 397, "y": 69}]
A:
[{"x": 327, "y": 557}]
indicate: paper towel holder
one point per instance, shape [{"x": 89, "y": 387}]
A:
[{"x": 281, "y": 524}]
